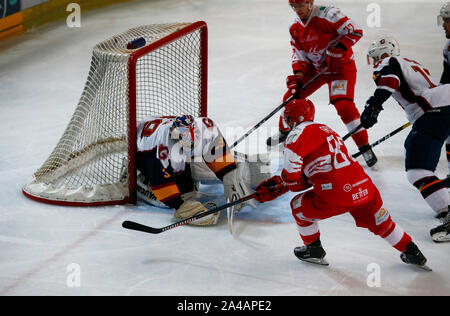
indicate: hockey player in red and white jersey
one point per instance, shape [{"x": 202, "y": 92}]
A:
[
  {"x": 323, "y": 37},
  {"x": 315, "y": 156},
  {"x": 427, "y": 106},
  {"x": 168, "y": 146}
]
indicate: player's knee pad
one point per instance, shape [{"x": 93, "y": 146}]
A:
[
  {"x": 298, "y": 206},
  {"x": 347, "y": 110}
]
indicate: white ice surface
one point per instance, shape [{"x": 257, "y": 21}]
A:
[{"x": 42, "y": 75}]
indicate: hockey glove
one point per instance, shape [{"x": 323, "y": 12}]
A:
[
  {"x": 270, "y": 189},
  {"x": 190, "y": 208},
  {"x": 335, "y": 54},
  {"x": 369, "y": 117},
  {"x": 294, "y": 85}
]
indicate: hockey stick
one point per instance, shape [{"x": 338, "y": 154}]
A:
[
  {"x": 353, "y": 131},
  {"x": 152, "y": 230},
  {"x": 384, "y": 138},
  {"x": 265, "y": 119}
]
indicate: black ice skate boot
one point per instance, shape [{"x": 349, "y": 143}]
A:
[
  {"x": 412, "y": 255},
  {"x": 313, "y": 253},
  {"x": 369, "y": 155},
  {"x": 442, "y": 232},
  {"x": 278, "y": 138}
]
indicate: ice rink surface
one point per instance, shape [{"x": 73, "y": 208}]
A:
[{"x": 42, "y": 75}]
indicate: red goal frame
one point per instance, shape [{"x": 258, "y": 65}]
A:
[{"x": 132, "y": 133}]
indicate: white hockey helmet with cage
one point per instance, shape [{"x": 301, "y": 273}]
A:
[
  {"x": 383, "y": 45},
  {"x": 444, "y": 13}
]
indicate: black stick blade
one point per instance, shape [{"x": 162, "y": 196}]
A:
[{"x": 140, "y": 227}]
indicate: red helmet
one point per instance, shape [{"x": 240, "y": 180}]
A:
[
  {"x": 298, "y": 111},
  {"x": 299, "y": 1}
]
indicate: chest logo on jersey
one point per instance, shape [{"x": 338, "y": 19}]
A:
[{"x": 163, "y": 152}]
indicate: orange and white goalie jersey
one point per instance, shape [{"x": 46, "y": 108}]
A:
[
  {"x": 153, "y": 134},
  {"x": 410, "y": 84},
  {"x": 316, "y": 155},
  {"x": 310, "y": 40}
]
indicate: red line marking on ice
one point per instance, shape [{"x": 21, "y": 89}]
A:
[{"x": 57, "y": 256}]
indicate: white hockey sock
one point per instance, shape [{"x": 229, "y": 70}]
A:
[{"x": 433, "y": 190}]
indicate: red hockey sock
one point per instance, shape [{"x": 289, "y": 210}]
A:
[
  {"x": 309, "y": 232},
  {"x": 349, "y": 114}
]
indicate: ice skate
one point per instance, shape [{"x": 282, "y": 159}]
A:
[
  {"x": 313, "y": 253},
  {"x": 368, "y": 155},
  {"x": 412, "y": 255},
  {"x": 441, "y": 233}
]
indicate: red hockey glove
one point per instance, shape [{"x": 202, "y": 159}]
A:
[
  {"x": 335, "y": 55},
  {"x": 294, "y": 85},
  {"x": 270, "y": 189}
]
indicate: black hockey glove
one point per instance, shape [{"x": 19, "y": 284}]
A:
[{"x": 370, "y": 114}]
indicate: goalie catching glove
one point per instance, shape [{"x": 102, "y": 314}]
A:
[
  {"x": 270, "y": 189},
  {"x": 190, "y": 208}
]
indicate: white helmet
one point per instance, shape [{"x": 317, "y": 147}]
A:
[
  {"x": 384, "y": 45},
  {"x": 444, "y": 13}
]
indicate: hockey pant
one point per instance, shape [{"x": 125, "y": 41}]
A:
[
  {"x": 341, "y": 87},
  {"x": 308, "y": 210},
  {"x": 423, "y": 150}
]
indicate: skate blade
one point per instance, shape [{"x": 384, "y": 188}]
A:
[
  {"x": 375, "y": 167},
  {"x": 423, "y": 267},
  {"x": 230, "y": 217},
  {"x": 321, "y": 262}
]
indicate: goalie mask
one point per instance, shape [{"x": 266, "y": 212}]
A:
[
  {"x": 383, "y": 45},
  {"x": 185, "y": 131},
  {"x": 298, "y": 111},
  {"x": 444, "y": 13}
]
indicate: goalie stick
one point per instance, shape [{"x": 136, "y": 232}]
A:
[
  {"x": 359, "y": 153},
  {"x": 152, "y": 230}
]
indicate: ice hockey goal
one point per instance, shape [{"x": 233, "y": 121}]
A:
[{"x": 93, "y": 162}]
